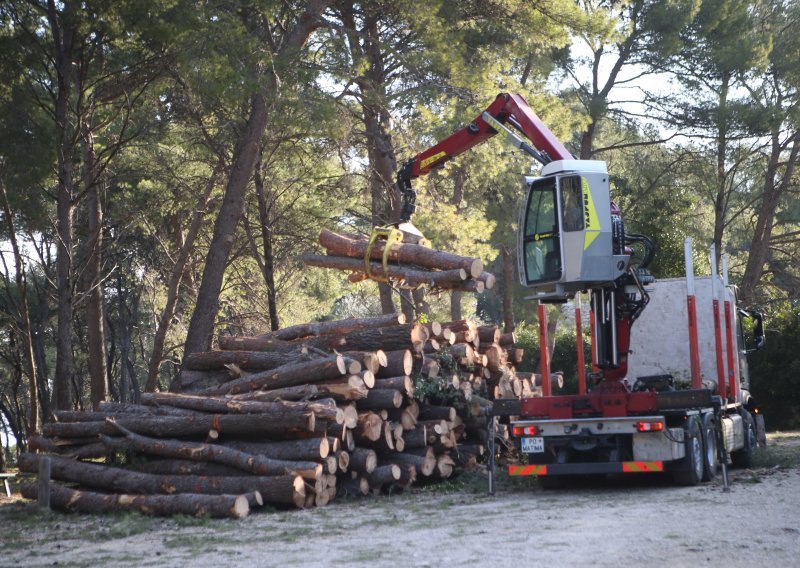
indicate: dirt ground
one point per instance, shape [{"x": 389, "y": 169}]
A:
[{"x": 632, "y": 521}]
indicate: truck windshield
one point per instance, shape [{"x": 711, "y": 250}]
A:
[{"x": 541, "y": 252}]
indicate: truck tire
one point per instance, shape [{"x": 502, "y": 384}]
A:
[
  {"x": 710, "y": 455},
  {"x": 689, "y": 470},
  {"x": 743, "y": 457}
]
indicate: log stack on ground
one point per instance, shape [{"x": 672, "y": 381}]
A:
[{"x": 291, "y": 418}]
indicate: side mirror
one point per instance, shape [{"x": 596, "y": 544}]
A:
[{"x": 758, "y": 329}]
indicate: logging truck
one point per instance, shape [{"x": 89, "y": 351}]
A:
[{"x": 670, "y": 394}]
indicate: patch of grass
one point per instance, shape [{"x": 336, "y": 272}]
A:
[
  {"x": 785, "y": 456},
  {"x": 365, "y": 555},
  {"x": 750, "y": 477},
  {"x": 124, "y": 525}
]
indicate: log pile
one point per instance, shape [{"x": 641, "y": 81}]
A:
[
  {"x": 293, "y": 418},
  {"x": 410, "y": 265}
]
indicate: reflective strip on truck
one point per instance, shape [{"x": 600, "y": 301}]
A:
[
  {"x": 527, "y": 470},
  {"x": 642, "y": 466}
]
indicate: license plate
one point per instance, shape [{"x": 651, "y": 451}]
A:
[{"x": 533, "y": 445}]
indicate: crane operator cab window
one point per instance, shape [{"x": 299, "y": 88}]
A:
[
  {"x": 572, "y": 203},
  {"x": 540, "y": 240}
]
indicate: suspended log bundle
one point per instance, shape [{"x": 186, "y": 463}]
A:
[
  {"x": 409, "y": 264},
  {"x": 293, "y": 418}
]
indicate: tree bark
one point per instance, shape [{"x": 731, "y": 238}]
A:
[
  {"x": 196, "y": 451},
  {"x": 398, "y": 363},
  {"x": 378, "y": 399},
  {"x": 219, "y": 506},
  {"x": 772, "y": 193},
  {"x": 404, "y": 384},
  {"x": 293, "y": 374},
  {"x": 274, "y": 424},
  {"x": 336, "y": 327},
  {"x": 235, "y": 343},
  {"x": 383, "y": 475},
  {"x": 425, "y": 465},
  {"x": 409, "y": 276},
  {"x": 311, "y": 449},
  {"x": 390, "y": 338},
  {"x": 508, "y": 291},
  {"x": 404, "y": 254},
  {"x": 300, "y": 392},
  {"x": 65, "y": 65},
  {"x": 201, "y": 326},
  {"x": 247, "y": 360},
  {"x": 279, "y": 489},
  {"x": 325, "y": 410}
]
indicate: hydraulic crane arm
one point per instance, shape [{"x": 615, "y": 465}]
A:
[{"x": 506, "y": 108}]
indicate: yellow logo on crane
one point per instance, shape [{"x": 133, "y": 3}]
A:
[
  {"x": 430, "y": 160},
  {"x": 591, "y": 221}
]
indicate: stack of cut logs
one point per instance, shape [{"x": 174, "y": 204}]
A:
[
  {"x": 411, "y": 265},
  {"x": 292, "y": 418}
]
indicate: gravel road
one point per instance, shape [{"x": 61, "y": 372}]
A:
[{"x": 634, "y": 521}]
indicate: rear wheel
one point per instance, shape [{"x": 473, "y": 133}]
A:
[
  {"x": 710, "y": 455},
  {"x": 689, "y": 470}
]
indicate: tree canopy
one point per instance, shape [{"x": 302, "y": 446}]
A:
[{"x": 164, "y": 165}]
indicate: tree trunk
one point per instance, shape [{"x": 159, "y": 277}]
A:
[
  {"x": 311, "y": 449},
  {"x": 390, "y": 338},
  {"x": 398, "y": 363},
  {"x": 409, "y": 276},
  {"x": 275, "y": 424},
  {"x": 175, "y": 279},
  {"x": 455, "y": 304},
  {"x": 293, "y": 374},
  {"x": 268, "y": 265},
  {"x": 279, "y": 489},
  {"x": 300, "y": 392},
  {"x": 378, "y": 399},
  {"x": 168, "y": 466},
  {"x": 95, "y": 333},
  {"x": 336, "y": 327},
  {"x": 425, "y": 465},
  {"x": 196, "y": 451},
  {"x": 721, "y": 197},
  {"x": 383, "y": 475},
  {"x": 34, "y": 421},
  {"x": 772, "y": 193},
  {"x": 233, "y": 506},
  {"x": 64, "y": 47},
  {"x": 201, "y": 326},
  {"x": 261, "y": 343},
  {"x": 325, "y": 410},
  {"x": 247, "y": 360},
  {"x": 508, "y": 295},
  {"x": 403, "y": 253}
]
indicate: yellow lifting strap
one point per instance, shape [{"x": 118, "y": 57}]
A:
[{"x": 390, "y": 236}]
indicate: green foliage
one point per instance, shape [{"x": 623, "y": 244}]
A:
[
  {"x": 774, "y": 371},
  {"x": 563, "y": 359}
]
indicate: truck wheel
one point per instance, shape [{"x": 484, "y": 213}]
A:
[
  {"x": 710, "y": 456},
  {"x": 743, "y": 457},
  {"x": 689, "y": 470}
]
